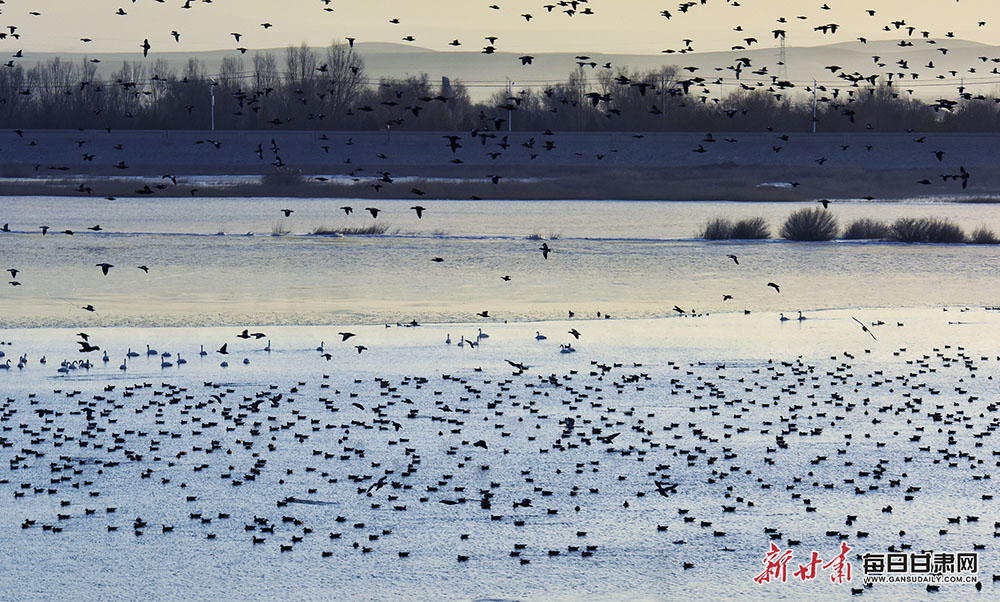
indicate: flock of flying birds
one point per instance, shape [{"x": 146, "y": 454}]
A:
[{"x": 183, "y": 443}]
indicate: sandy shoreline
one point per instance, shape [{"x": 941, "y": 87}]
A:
[{"x": 654, "y": 166}]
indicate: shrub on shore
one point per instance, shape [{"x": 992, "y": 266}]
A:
[
  {"x": 720, "y": 228},
  {"x": 369, "y": 230},
  {"x": 984, "y": 236},
  {"x": 750, "y": 228},
  {"x": 717, "y": 228},
  {"x": 810, "y": 225},
  {"x": 926, "y": 230},
  {"x": 866, "y": 229},
  {"x": 279, "y": 229}
]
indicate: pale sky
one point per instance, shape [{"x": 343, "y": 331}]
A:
[{"x": 617, "y": 26}]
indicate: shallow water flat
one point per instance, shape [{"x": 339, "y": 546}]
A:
[{"x": 624, "y": 259}]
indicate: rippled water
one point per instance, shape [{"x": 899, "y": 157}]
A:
[
  {"x": 810, "y": 421},
  {"x": 698, "y": 402},
  {"x": 627, "y": 259}
]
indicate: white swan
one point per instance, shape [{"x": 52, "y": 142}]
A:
[
  {"x": 124, "y": 365},
  {"x": 224, "y": 364},
  {"x": 447, "y": 339},
  {"x": 150, "y": 351},
  {"x": 131, "y": 353},
  {"x": 106, "y": 359},
  {"x": 320, "y": 348},
  {"x": 165, "y": 364},
  {"x": 268, "y": 348},
  {"x": 783, "y": 318},
  {"x": 202, "y": 352},
  {"x": 42, "y": 360},
  {"x": 539, "y": 336},
  {"x": 246, "y": 361},
  {"x": 461, "y": 341},
  {"x": 5, "y": 366},
  {"x": 801, "y": 317},
  {"x": 180, "y": 360},
  {"x": 482, "y": 335}
]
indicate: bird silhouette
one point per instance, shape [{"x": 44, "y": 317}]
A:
[{"x": 864, "y": 328}]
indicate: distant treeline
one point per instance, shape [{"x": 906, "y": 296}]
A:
[{"x": 311, "y": 89}]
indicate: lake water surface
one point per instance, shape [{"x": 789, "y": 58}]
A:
[{"x": 494, "y": 479}]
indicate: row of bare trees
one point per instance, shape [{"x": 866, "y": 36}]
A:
[{"x": 328, "y": 89}]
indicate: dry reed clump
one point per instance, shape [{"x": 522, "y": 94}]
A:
[
  {"x": 750, "y": 228},
  {"x": 720, "y": 228},
  {"x": 283, "y": 176},
  {"x": 926, "y": 230},
  {"x": 717, "y": 228},
  {"x": 810, "y": 225},
  {"x": 866, "y": 229},
  {"x": 984, "y": 236},
  {"x": 369, "y": 230}
]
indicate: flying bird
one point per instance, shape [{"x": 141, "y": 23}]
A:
[
  {"x": 864, "y": 328},
  {"x": 774, "y": 286}
]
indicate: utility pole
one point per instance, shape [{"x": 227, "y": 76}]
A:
[{"x": 211, "y": 88}]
